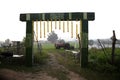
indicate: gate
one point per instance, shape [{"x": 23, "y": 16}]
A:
[{"x": 83, "y": 17}]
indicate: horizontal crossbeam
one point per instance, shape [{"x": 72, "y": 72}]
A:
[{"x": 72, "y": 16}]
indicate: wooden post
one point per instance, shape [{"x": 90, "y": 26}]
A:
[
  {"x": 84, "y": 43},
  {"x": 29, "y": 43},
  {"x": 18, "y": 47},
  {"x": 79, "y": 41},
  {"x": 113, "y": 47}
]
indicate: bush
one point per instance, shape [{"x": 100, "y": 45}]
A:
[{"x": 101, "y": 62}]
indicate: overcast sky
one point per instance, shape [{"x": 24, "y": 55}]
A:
[{"x": 107, "y": 15}]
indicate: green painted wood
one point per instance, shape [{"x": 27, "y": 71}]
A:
[
  {"x": 83, "y": 16},
  {"x": 29, "y": 43},
  {"x": 57, "y": 16},
  {"x": 84, "y": 44}
]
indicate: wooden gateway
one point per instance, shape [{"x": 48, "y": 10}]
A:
[{"x": 83, "y": 17}]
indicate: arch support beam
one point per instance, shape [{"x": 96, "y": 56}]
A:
[
  {"x": 84, "y": 43},
  {"x": 71, "y": 16},
  {"x": 29, "y": 43}
]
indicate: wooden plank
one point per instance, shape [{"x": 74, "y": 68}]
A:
[{"x": 57, "y": 16}]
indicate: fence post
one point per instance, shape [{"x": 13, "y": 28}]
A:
[{"x": 113, "y": 46}]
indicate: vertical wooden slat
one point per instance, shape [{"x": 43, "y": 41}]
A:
[
  {"x": 55, "y": 24},
  {"x": 67, "y": 26},
  {"x": 59, "y": 24},
  {"x": 44, "y": 29},
  {"x": 47, "y": 26},
  {"x": 51, "y": 25},
  {"x": 63, "y": 26},
  {"x": 71, "y": 29},
  {"x": 40, "y": 29},
  {"x": 76, "y": 30},
  {"x": 36, "y": 30}
]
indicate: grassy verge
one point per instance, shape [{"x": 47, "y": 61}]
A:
[{"x": 93, "y": 72}]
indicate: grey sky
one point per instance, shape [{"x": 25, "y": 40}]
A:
[{"x": 107, "y": 15}]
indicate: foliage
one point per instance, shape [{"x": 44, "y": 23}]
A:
[
  {"x": 23, "y": 41},
  {"x": 91, "y": 42},
  {"x": 1, "y": 49},
  {"x": 7, "y": 42},
  {"x": 102, "y": 63},
  {"x": 52, "y": 37},
  {"x": 99, "y": 68}
]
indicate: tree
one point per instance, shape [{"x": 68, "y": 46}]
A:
[
  {"x": 23, "y": 41},
  {"x": 91, "y": 42},
  {"x": 52, "y": 37},
  {"x": 7, "y": 42}
]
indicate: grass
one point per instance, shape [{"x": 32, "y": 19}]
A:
[
  {"x": 47, "y": 46},
  {"x": 98, "y": 57},
  {"x": 40, "y": 58},
  {"x": 98, "y": 69}
]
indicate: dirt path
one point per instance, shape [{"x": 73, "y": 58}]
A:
[
  {"x": 55, "y": 65},
  {"x": 41, "y": 75},
  {"x": 37, "y": 76}
]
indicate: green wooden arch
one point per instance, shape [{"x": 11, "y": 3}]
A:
[{"x": 70, "y": 16}]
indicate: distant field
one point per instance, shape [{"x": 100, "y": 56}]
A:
[
  {"x": 51, "y": 45},
  {"x": 48, "y": 46}
]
